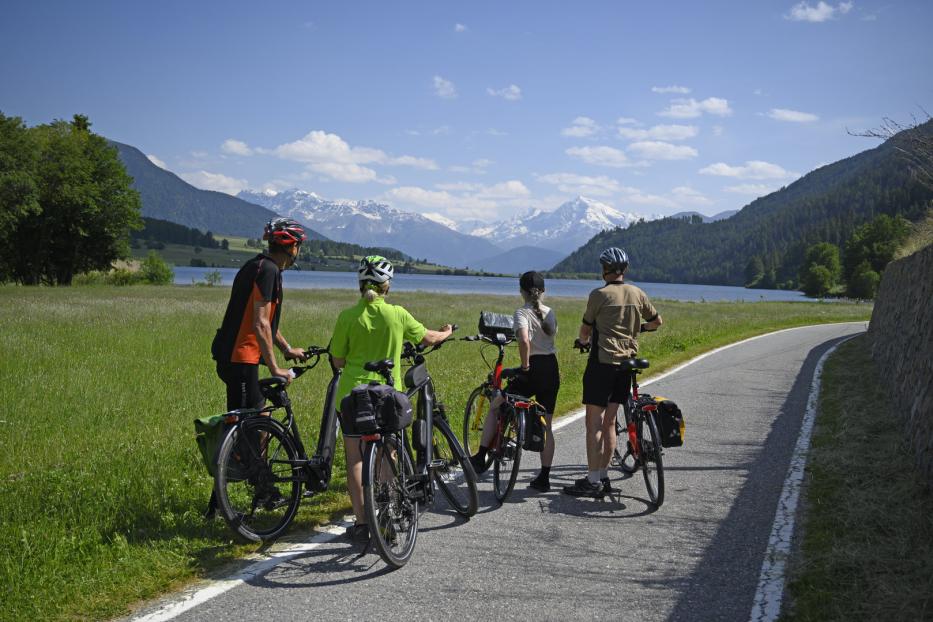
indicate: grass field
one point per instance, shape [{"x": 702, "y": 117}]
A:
[
  {"x": 101, "y": 482},
  {"x": 867, "y": 549}
]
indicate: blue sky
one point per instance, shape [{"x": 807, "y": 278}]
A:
[{"x": 477, "y": 109}]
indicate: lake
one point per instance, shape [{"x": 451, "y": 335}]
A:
[{"x": 506, "y": 286}]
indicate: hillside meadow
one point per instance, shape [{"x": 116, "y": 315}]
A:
[{"x": 101, "y": 482}]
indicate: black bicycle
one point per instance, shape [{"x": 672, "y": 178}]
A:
[
  {"x": 505, "y": 448},
  {"x": 638, "y": 441},
  {"x": 401, "y": 469},
  {"x": 262, "y": 464}
]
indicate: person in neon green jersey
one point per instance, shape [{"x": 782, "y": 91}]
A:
[{"x": 372, "y": 330}]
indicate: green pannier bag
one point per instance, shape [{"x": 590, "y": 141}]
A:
[{"x": 209, "y": 434}]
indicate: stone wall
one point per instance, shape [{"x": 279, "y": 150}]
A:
[{"x": 901, "y": 330}]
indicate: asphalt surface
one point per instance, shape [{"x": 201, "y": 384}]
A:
[{"x": 554, "y": 557}]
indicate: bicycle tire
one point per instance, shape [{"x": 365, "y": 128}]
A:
[
  {"x": 473, "y": 419},
  {"x": 455, "y": 476},
  {"x": 391, "y": 511},
  {"x": 507, "y": 457},
  {"x": 651, "y": 462},
  {"x": 622, "y": 454},
  {"x": 258, "y": 485}
]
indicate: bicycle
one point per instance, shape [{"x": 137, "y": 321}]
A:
[
  {"x": 261, "y": 456},
  {"x": 505, "y": 450},
  {"x": 397, "y": 480},
  {"x": 638, "y": 441}
]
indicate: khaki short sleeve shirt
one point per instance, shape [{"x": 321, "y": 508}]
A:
[{"x": 616, "y": 311}]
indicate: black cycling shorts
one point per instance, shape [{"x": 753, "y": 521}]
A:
[
  {"x": 242, "y": 380},
  {"x": 541, "y": 381},
  {"x": 604, "y": 383}
]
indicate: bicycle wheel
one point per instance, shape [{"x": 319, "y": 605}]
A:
[
  {"x": 257, "y": 485},
  {"x": 652, "y": 466},
  {"x": 473, "y": 418},
  {"x": 507, "y": 455},
  {"x": 452, "y": 470},
  {"x": 622, "y": 454},
  {"x": 391, "y": 512}
]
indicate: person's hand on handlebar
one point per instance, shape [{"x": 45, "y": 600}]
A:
[
  {"x": 293, "y": 354},
  {"x": 581, "y": 346},
  {"x": 434, "y": 337}
]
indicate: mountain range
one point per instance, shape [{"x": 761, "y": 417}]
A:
[{"x": 774, "y": 231}]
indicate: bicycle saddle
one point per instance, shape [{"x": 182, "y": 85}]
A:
[
  {"x": 379, "y": 365},
  {"x": 635, "y": 364}
]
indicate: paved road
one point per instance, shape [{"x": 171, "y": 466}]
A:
[{"x": 554, "y": 557}]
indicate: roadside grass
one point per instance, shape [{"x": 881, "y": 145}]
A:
[
  {"x": 101, "y": 482},
  {"x": 867, "y": 545}
]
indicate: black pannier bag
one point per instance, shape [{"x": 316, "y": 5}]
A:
[
  {"x": 535, "y": 430},
  {"x": 670, "y": 423},
  {"x": 374, "y": 407},
  {"x": 492, "y": 324}
]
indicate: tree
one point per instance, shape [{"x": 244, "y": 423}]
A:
[
  {"x": 754, "y": 271},
  {"x": 864, "y": 282},
  {"x": 225, "y": 244},
  {"x": 821, "y": 269},
  {"x": 873, "y": 244},
  {"x": 19, "y": 195},
  {"x": 86, "y": 207}
]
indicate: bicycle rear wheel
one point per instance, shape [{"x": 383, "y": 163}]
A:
[
  {"x": 622, "y": 454},
  {"x": 473, "y": 418},
  {"x": 652, "y": 465},
  {"x": 452, "y": 470},
  {"x": 507, "y": 456},
  {"x": 257, "y": 484},
  {"x": 391, "y": 511}
]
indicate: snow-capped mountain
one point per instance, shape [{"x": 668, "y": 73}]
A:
[
  {"x": 375, "y": 224},
  {"x": 565, "y": 229}
]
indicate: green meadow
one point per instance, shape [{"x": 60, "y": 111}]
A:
[{"x": 101, "y": 482}]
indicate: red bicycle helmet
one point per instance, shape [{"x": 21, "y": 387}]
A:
[{"x": 284, "y": 232}]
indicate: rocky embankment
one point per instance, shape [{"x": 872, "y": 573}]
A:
[{"x": 901, "y": 330}]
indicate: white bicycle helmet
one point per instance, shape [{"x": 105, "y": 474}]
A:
[
  {"x": 375, "y": 269},
  {"x": 614, "y": 258}
]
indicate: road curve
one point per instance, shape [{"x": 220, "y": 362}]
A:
[{"x": 554, "y": 557}]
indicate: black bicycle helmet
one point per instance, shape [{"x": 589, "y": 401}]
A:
[{"x": 614, "y": 258}]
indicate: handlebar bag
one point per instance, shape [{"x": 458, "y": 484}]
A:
[
  {"x": 374, "y": 407},
  {"x": 492, "y": 324}
]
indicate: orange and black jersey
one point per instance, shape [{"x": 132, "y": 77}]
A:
[{"x": 258, "y": 280}]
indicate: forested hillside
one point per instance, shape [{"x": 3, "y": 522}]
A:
[{"x": 825, "y": 205}]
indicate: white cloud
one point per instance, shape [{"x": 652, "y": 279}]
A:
[
  {"x": 581, "y": 127},
  {"x": 794, "y": 116},
  {"x": 443, "y": 130},
  {"x": 756, "y": 190},
  {"x": 477, "y": 167},
  {"x": 600, "y": 156},
  {"x": 803, "y": 12},
  {"x": 658, "y": 150},
  {"x": 572, "y": 183},
  {"x": 659, "y": 132},
  {"x": 685, "y": 195},
  {"x": 214, "y": 181},
  {"x": 691, "y": 108},
  {"x": 444, "y": 88},
  {"x": 494, "y": 132},
  {"x": 236, "y": 147},
  {"x": 718, "y": 130},
  {"x": 753, "y": 169},
  {"x": 627, "y": 121},
  {"x": 460, "y": 28},
  {"x": 330, "y": 155},
  {"x": 511, "y": 92},
  {"x": 511, "y": 189},
  {"x": 462, "y": 200},
  {"x": 680, "y": 90},
  {"x": 156, "y": 161}
]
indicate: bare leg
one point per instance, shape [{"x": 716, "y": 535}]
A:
[
  {"x": 608, "y": 435},
  {"x": 547, "y": 456},
  {"x": 489, "y": 425},
  {"x": 355, "y": 477},
  {"x": 594, "y": 436}
]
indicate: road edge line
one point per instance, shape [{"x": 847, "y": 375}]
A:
[{"x": 770, "y": 592}]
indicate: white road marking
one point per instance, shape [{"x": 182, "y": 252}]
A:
[{"x": 770, "y": 592}]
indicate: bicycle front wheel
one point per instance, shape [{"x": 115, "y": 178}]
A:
[
  {"x": 473, "y": 419},
  {"x": 507, "y": 455},
  {"x": 652, "y": 465},
  {"x": 622, "y": 454},
  {"x": 452, "y": 470},
  {"x": 391, "y": 511},
  {"x": 257, "y": 484}
]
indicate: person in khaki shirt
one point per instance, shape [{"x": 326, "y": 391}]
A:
[{"x": 615, "y": 314}]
